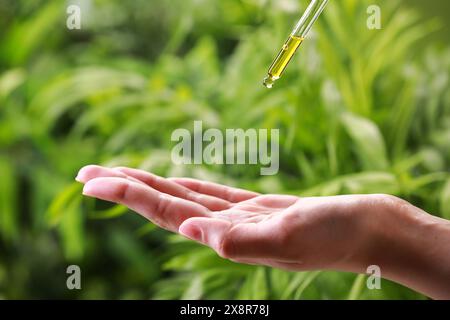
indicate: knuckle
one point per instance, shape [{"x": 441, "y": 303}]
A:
[
  {"x": 230, "y": 195},
  {"x": 161, "y": 207},
  {"x": 122, "y": 191},
  {"x": 226, "y": 246},
  {"x": 192, "y": 196},
  {"x": 160, "y": 214}
]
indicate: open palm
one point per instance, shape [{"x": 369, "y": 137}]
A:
[{"x": 276, "y": 230}]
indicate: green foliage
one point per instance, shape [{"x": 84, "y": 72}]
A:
[{"x": 359, "y": 111}]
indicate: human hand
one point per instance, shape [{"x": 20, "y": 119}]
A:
[
  {"x": 346, "y": 233},
  {"x": 282, "y": 231}
]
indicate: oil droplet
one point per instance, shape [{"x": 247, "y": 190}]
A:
[{"x": 268, "y": 82}]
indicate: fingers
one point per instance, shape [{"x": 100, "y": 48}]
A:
[
  {"x": 175, "y": 189},
  {"x": 163, "y": 185},
  {"x": 217, "y": 190},
  {"x": 164, "y": 210},
  {"x": 235, "y": 242},
  {"x": 92, "y": 171}
]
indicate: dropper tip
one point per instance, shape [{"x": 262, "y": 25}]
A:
[{"x": 268, "y": 82}]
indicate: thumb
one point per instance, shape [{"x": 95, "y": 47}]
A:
[{"x": 209, "y": 231}]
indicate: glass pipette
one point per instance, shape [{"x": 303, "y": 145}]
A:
[{"x": 294, "y": 41}]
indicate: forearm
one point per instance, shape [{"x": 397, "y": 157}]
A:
[{"x": 412, "y": 248}]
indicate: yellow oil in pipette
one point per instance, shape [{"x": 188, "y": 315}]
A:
[
  {"x": 296, "y": 38},
  {"x": 282, "y": 60}
]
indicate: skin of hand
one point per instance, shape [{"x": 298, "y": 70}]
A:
[{"x": 345, "y": 233}]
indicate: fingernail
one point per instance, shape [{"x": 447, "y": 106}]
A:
[
  {"x": 80, "y": 176},
  {"x": 88, "y": 189},
  {"x": 192, "y": 232}
]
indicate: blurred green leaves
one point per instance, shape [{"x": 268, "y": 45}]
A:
[
  {"x": 360, "y": 111},
  {"x": 9, "y": 224},
  {"x": 367, "y": 140},
  {"x": 26, "y": 36},
  {"x": 10, "y": 80}
]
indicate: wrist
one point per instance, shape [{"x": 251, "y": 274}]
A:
[
  {"x": 371, "y": 219},
  {"x": 406, "y": 243}
]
